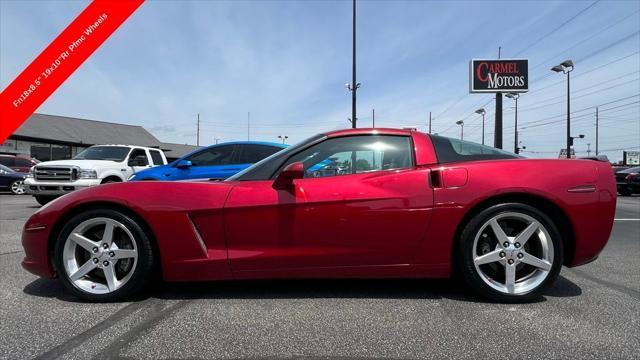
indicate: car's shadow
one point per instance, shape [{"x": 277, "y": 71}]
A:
[{"x": 309, "y": 289}]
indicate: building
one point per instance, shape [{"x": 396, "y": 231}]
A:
[{"x": 51, "y": 137}]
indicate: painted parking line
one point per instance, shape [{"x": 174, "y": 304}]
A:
[{"x": 626, "y": 219}]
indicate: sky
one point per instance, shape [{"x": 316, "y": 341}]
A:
[{"x": 286, "y": 63}]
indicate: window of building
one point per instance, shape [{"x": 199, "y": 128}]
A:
[
  {"x": 41, "y": 152},
  {"x": 60, "y": 152}
]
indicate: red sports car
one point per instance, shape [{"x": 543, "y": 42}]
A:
[{"x": 405, "y": 204}]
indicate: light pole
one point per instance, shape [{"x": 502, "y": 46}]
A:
[
  {"x": 283, "y": 138},
  {"x": 515, "y": 97},
  {"x": 482, "y": 112},
  {"x": 588, "y": 149},
  {"x": 566, "y": 67},
  {"x": 353, "y": 87},
  {"x": 461, "y": 123},
  {"x": 571, "y": 138}
]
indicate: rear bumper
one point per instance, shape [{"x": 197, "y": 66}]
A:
[{"x": 35, "y": 187}]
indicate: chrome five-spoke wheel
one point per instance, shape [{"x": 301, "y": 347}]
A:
[
  {"x": 100, "y": 255},
  {"x": 513, "y": 253},
  {"x": 104, "y": 255},
  {"x": 510, "y": 252}
]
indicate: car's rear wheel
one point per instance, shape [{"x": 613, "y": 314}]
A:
[
  {"x": 17, "y": 187},
  {"x": 510, "y": 252},
  {"x": 44, "y": 199},
  {"x": 103, "y": 255}
]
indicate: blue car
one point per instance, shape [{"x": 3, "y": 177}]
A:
[
  {"x": 214, "y": 162},
  {"x": 11, "y": 180}
]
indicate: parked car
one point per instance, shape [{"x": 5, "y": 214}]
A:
[
  {"x": 215, "y": 162},
  {"x": 99, "y": 164},
  {"x": 11, "y": 180},
  {"x": 429, "y": 206},
  {"x": 17, "y": 163},
  {"x": 628, "y": 181}
]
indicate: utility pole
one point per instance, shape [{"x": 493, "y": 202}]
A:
[
  {"x": 597, "y": 128},
  {"x": 588, "y": 149},
  {"x": 497, "y": 132},
  {"x": 248, "y": 124},
  {"x": 198, "y": 132},
  {"x": 215, "y": 139},
  {"x": 429, "y": 122},
  {"x": 374, "y": 117}
]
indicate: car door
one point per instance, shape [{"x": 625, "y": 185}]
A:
[
  {"x": 367, "y": 206},
  {"x": 138, "y": 161},
  {"x": 214, "y": 162}
]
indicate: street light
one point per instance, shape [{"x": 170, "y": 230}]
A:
[
  {"x": 482, "y": 112},
  {"x": 566, "y": 67},
  {"x": 461, "y": 123},
  {"x": 283, "y": 138},
  {"x": 515, "y": 97}
]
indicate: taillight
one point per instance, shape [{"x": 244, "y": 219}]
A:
[{"x": 630, "y": 176}]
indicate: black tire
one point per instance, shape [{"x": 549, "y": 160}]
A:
[
  {"x": 44, "y": 199},
  {"x": 464, "y": 253},
  {"x": 110, "y": 180},
  {"x": 143, "y": 273},
  {"x": 625, "y": 192}
]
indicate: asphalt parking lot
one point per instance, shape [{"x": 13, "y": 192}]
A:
[{"x": 592, "y": 312}]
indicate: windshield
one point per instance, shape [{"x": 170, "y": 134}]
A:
[
  {"x": 5, "y": 169},
  {"x": 265, "y": 168},
  {"x": 113, "y": 153}
]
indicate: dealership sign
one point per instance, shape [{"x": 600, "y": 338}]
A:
[{"x": 504, "y": 75}]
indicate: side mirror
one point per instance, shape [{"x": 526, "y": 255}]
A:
[
  {"x": 184, "y": 164},
  {"x": 287, "y": 175}
]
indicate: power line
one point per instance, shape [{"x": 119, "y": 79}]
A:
[
  {"x": 556, "y": 28},
  {"x": 618, "y": 22}
]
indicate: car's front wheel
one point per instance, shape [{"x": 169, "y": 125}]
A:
[
  {"x": 510, "y": 252},
  {"x": 103, "y": 255},
  {"x": 17, "y": 187}
]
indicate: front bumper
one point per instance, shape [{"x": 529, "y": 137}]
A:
[
  {"x": 35, "y": 236},
  {"x": 34, "y": 187}
]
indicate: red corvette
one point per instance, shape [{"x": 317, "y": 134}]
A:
[{"x": 350, "y": 203}]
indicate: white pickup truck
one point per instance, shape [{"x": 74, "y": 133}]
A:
[{"x": 95, "y": 165}]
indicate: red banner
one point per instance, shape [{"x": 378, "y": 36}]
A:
[{"x": 60, "y": 59}]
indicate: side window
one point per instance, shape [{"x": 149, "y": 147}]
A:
[
  {"x": 355, "y": 154},
  {"x": 23, "y": 162},
  {"x": 250, "y": 154},
  {"x": 7, "y": 161},
  {"x": 219, "y": 155},
  {"x": 139, "y": 154},
  {"x": 453, "y": 150},
  {"x": 156, "y": 157}
]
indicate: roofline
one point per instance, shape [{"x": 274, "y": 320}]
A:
[
  {"x": 98, "y": 121},
  {"x": 369, "y": 131}
]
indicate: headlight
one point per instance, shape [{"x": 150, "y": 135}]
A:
[
  {"x": 87, "y": 174},
  {"x": 131, "y": 177},
  {"x": 31, "y": 172}
]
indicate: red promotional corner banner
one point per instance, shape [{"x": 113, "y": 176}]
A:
[{"x": 60, "y": 59}]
